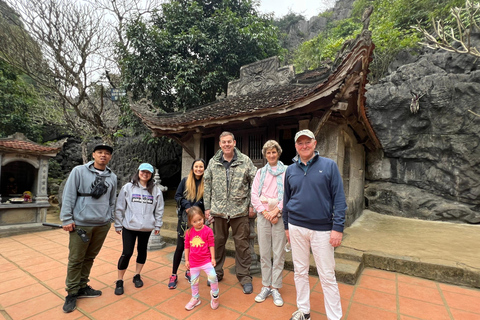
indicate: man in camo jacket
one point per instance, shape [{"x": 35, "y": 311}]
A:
[{"x": 228, "y": 180}]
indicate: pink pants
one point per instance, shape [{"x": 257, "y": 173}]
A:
[{"x": 195, "y": 276}]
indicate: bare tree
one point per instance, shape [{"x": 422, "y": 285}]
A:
[
  {"x": 467, "y": 19},
  {"x": 66, "y": 57},
  {"x": 69, "y": 50}
]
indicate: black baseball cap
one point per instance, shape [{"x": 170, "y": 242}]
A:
[{"x": 103, "y": 146}]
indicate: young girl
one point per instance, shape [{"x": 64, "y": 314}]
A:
[
  {"x": 200, "y": 255},
  {"x": 139, "y": 211}
]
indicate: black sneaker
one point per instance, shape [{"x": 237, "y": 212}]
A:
[
  {"x": 70, "y": 303},
  {"x": 88, "y": 292},
  {"x": 138, "y": 281},
  {"x": 119, "y": 287}
]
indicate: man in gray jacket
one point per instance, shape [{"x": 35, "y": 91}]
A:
[
  {"x": 88, "y": 204},
  {"x": 228, "y": 181}
]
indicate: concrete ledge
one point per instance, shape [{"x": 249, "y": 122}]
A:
[
  {"x": 438, "y": 271},
  {"x": 11, "y": 230}
]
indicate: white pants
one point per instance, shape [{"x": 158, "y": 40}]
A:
[
  {"x": 302, "y": 239},
  {"x": 271, "y": 239}
]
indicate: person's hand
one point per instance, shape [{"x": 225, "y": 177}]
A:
[
  {"x": 69, "y": 227},
  {"x": 251, "y": 213},
  {"x": 275, "y": 220},
  {"x": 157, "y": 232},
  {"x": 214, "y": 263},
  {"x": 187, "y": 265},
  {"x": 335, "y": 238},
  {"x": 119, "y": 231},
  {"x": 207, "y": 214},
  {"x": 287, "y": 235}
]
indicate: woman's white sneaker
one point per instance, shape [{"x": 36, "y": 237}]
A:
[
  {"x": 264, "y": 293},
  {"x": 277, "y": 298}
]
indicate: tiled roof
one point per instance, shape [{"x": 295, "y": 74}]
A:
[
  {"x": 317, "y": 90},
  {"x": 13, "y": 144},
  {"x": 251, "y": 105}
]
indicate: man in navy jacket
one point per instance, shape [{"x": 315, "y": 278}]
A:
[{"x": 314, "y": 216}]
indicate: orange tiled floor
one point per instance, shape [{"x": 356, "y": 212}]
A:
[{"x": 33, "y": 266}]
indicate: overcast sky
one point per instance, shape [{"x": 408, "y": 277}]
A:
[{"x": 308, "y": 8}]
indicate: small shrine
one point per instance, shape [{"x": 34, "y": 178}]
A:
[{"x": 23, "y": 181}]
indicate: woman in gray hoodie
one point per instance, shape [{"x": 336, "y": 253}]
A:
[{"x": 139, "y": 211}]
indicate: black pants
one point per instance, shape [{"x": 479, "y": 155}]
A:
[
  {"x": 129, "y": 237},
  {"x": 177, "y": 257}
]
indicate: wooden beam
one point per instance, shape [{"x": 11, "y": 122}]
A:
[
  {"x": 190, "y": 152},
  {"x": 322, "y": 121}
]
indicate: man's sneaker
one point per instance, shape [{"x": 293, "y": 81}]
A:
[
  {"x": 70, "y": 303},
  {"x": 264, "y": 293},
  {"x": 214, "y": 302},
  {"x": 247, "y": 288},
  {"x": 138, "y": 281},
  {"x": 88, "y": 292},
  {"x": 192, "y": 303},
  {"x": 119, "y": 287},
  {"x": 187, "y": 276},
  {"x": 277, "y": 298},
  {"x": 172, "y": 284},
  {"x": 299, "y": 315}
]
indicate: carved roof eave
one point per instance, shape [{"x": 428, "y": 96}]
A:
[{"x": 351, "y": 72}]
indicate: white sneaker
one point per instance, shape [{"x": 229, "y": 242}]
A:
[
  {"x": 277, "y": 298},
  {"x": 264, "y": 293},
  {"x": 299, "y": 315}
]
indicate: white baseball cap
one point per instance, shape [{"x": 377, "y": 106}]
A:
[{"x": 305, "y": 132}]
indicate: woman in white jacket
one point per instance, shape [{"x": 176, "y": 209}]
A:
[{"x": 139, "y": 211}]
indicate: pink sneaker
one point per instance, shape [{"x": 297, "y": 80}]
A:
[
  {"x": 192, "y": 303},
  {"x": 214, "y": 302}
]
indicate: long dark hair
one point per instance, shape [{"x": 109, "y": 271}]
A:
[
  {"x": 191, "y": 193},
  {"x": 150, "y": 182}
]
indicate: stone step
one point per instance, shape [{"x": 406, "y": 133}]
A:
[
  {"x": 347, "y": 271},
  {"x": 349, "y": 254},
  {"x": 348, "y": 262}
]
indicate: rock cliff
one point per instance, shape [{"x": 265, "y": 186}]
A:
[{"x": 429, "y": 165}]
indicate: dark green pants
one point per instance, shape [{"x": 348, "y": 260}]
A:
[{"x": 81, "y": 256}]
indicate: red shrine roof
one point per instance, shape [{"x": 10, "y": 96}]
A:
[{"x": 19, "y": 143}]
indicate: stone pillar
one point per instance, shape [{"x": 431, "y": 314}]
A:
[
  {"x": 255, "y": 266},
  {"x": 303, "y": 124},
  {"x": 156, "y": 242},
  {"x": 42, "y": 178}
]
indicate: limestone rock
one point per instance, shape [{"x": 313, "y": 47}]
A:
[{"x": 436, "y": 150}]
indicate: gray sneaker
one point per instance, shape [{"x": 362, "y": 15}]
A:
[
  {"x": 277, "y": 298},
  {"x": 264, "y": 293}
]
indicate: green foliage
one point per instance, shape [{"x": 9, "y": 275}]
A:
[
  {"x": 314, "y": 53},
  {"x": 390, "y": 24},
  {"x": 285, "y": 23},
  {"x": 17, "y": 100},
  {"x": 185, "y": 55}
]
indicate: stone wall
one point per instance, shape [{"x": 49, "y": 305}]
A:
[
  {"x": 429, "y": 166},
  {"x": 165, "y": 155},
  {"x": 338, "y": 142}
]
